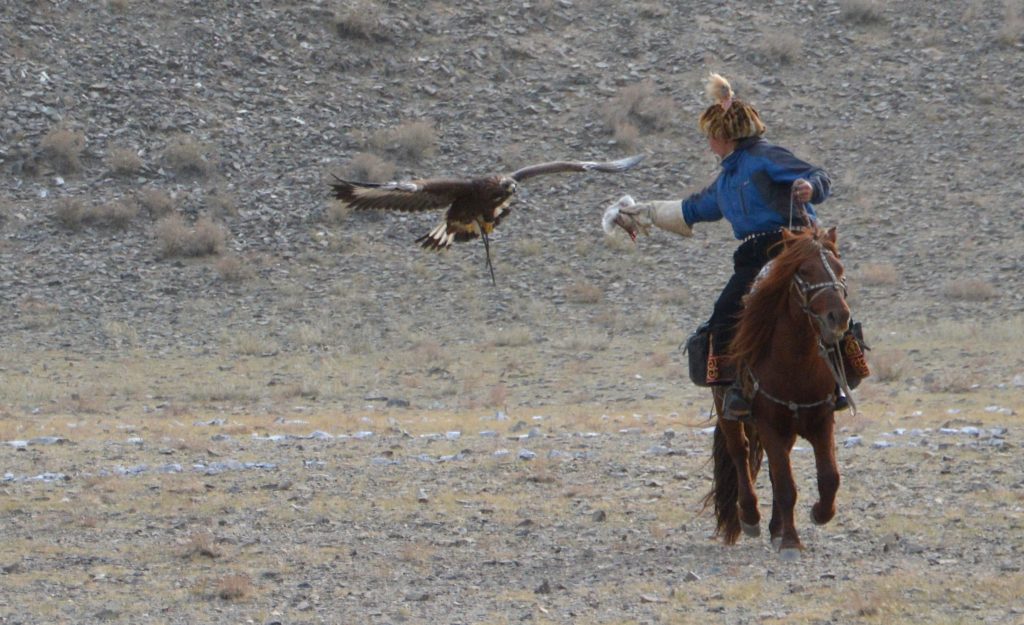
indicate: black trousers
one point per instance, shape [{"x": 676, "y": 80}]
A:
[{"x": 750, "y": 257}]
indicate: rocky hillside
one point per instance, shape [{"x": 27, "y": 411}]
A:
[{"x": 234, "y": 114}]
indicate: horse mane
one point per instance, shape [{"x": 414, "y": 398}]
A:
[{"x": 769, "y": 300}]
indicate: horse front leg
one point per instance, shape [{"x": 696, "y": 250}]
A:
[
  {"x": 822, "y": 440},
  {"x": 782, "y": 525}
]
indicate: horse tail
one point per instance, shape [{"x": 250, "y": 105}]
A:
[{"x": 724, "y": 491}]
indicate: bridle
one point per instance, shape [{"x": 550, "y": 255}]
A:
[{"x": 807, "y": 292}]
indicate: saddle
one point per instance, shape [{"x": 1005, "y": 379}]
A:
[{"x": 705, "y": 366}]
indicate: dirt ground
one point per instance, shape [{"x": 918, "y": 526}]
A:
[{"x": 225, "y": 400}]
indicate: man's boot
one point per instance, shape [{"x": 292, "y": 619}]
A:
[
  {"x": 842, "y": 403},
  {"x": 735, "y": 406}
]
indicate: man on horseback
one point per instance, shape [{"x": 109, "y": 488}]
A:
[{"x": 761, "y": 189}]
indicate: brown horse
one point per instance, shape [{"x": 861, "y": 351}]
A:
[{"x": 795, "y": 309}]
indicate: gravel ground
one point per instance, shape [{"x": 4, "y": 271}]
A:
[{"x": 267, "y": 433}]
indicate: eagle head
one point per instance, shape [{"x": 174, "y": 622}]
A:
[{"x": 508, "y": 185}]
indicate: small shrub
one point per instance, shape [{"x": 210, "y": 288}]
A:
[
  {"x": 157, "y": 202},
  {"x": 410, "y": 141},
  {"x": 175, "y": 238},
  {"x": 626, "y": 135},
  {"x": 337, "y": 212},
  {"x": 512, "y": 337},
  {"x": 114, "y": 215},
  {"x": 124, "y": 162},
  {"x": 359, "y": 19},
  {"x": 1012, "y": 27},
  {"x": 201, "y": 544},
  {"x": 234, "y": 587},
  {"x": 781, "y": 48},
  {"x": 584, "y": 293},
  {"x": 527, "y": 248},
  {"x": 864, "y": 12},
  {"x": 209, "y": 238},
  {"x": 366, "y": 167},
  {"x": 62, "y": 149},
  {"x": 221, "y": 203},
  {"x": 638, "y": 105},
  {"x": 187, "y": 157},
  {"x": 497, "y": 396},
  {"x": 70, "y": 213},
  {"x": 970, "y": 290},
  {"x": 231, "y": 268},
  {"x": 888, "y": 365},
  {"x": 881, "y": 274}
]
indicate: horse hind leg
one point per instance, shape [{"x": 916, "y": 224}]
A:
[
  {"x": 738, "y": 448},
  {"x": 732, "y": 492},
  {"x": 755, "y": 455}
]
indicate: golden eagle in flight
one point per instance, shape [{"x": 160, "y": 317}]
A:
[{"x": 474, "y": 206}]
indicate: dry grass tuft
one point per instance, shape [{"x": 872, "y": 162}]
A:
[
  {"x": 201, "y": 544},
  {"x": 970, "y": 290},
  {"x": 1012, "y": 28},
  {"x": 62, "y": 149},
  {"x": 337, "y": 212},
  {"x": 958, "y": 381},
  {"x": 360, "y": 19},
  {"x": 865, "y": 12},
  {"x": 70, "y": 213},
  {"x": 584, "y": 293},
  {"x": 512, "y": 337},
  {"x": 114, "y": 215},
  {"x": 626, "y": 135},
  {"x": 878, "y": 274},
  {"x": 231, "y": 268},
  {"x": 221, "y": 203},
  {"x": 782, "y": 48},
  {"x": 366, "y": 167},
  {"x": 888, "y": 365},
  {"x": 176, "y": 239},
  {"x": 156, "y": 202},
  {"x": 187, "y": 157},
  {"x": 409, "y": 142},
  {"x": 124, "y": 162},
  {"x": 234, "y": 587},
  {"x": 639, "y": 106}
]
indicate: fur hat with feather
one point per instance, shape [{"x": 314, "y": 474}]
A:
[{"x": 728, "y": 118}]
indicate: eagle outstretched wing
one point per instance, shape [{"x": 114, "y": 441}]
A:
[
  {"x": 556, "y": 167},
  {"x": 406, "y": 195},
  {"x": 473, "y": 206}
]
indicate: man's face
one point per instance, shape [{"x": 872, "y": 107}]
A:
[{"x": 721, "y": 147}]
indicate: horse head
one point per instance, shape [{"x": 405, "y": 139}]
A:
[{"x": 819, "y": 283}]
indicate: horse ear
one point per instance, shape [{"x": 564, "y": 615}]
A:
[
  {"x": 787, "y": 235},
  {"x": 831, "y": 235}
]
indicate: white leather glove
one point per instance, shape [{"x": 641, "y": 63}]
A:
[{"x": 665, "y": 214}]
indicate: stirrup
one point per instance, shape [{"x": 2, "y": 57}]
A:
[
  {"x": 735, "y": 406},
  {"x": 842, "y": 403}
]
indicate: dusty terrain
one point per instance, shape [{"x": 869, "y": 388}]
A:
[{"x": 317, "y": 422}]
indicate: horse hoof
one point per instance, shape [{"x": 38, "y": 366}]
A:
[
  {"x": 751, "y": 529},
  {"x": 776, "y": 542},
  {"x": 789, "y": 555}
]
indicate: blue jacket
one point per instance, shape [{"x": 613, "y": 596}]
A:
[{"x": 753, "y": 189}]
